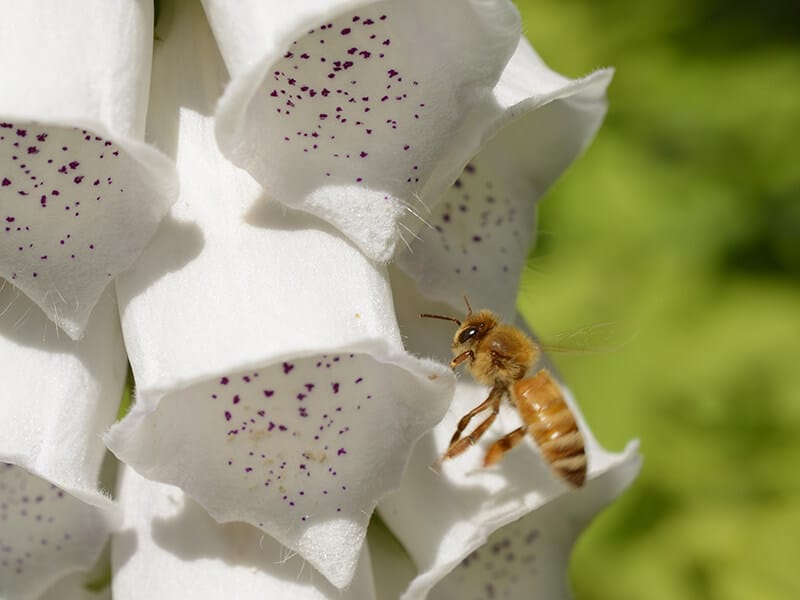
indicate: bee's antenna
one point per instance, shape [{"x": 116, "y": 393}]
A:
[
  {"x": 443, "y": 317},
  {"x": 469, "y": 308}
]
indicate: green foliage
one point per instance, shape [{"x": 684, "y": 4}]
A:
[{"x": 682, "y": 221}]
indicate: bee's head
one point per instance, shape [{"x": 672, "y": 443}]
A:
[{"x": 470, "y": 330}]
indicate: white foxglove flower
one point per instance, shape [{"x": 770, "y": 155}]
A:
[
  {"x": 450, "y": 518},
  {"x": 170, "y": 548},
  {"x": 57, "y": 396},
  {"x": 481, "y": 229},
  {"x": 354, "y": 111},
  {"x": 80, "y": 193},
  {"x": 273, "y": 387},
  {"x": 272, "y": 384}
]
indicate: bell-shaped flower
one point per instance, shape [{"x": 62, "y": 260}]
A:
[
  {"x": 359, "y": 112},
  {"x": 57, "y": 397},
  {"x": 272, "y": 384},
  {"x": 479, "y": 233},
  {"x": 80, "y": 193}
]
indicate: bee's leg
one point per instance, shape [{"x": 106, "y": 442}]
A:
[
  {"x": 503, "y": 445},
  {"x": 459, "y": 444},
  {"x": 494, "y": 399},
  {"x": 461, "y": 358}
]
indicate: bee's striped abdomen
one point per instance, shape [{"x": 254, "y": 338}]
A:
[{"x": 550, "y": 421}]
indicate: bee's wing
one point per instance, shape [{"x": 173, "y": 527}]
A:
[{"x": 597, "y": 337}]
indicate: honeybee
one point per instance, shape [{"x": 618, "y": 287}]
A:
[{"x": 500, "y": 355}]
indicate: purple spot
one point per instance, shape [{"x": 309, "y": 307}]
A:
[
  {"x": 335, "y": 387},
  {"x": 6, "y": 182},
  {"x": 236, "y": 399},
  {"x": 341, "y": 451},
  {"x": 227, "y": 415},
  {"x": 269, "y": 393},
  {"x": 287, "y": 367}
]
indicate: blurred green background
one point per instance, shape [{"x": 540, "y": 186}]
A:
[{"x": 682, "y": 222}]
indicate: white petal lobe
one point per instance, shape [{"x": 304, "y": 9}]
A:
[
  {"x": 57, "y": 396},
  {"x": 483, "y": 227},
  {"x": 80, "y": 194},
  {"x": 349, "y": 119}
]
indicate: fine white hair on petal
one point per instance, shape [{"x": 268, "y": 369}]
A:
[
  {"x": 350, "y": 118},
  {"x": 165, "y": 532},
  {"x": 80, "y": 194},
  {"x": 483, "y": 227},
  {"x": 272, "y": 385}
]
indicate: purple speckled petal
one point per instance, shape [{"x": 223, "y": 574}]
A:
[
  {"x": 57, "y": 396},
  {"x": 45, "y": 533},
  {"x": 481, "y": 230},
  {"x": 272, "y": 385},
  {"x": 351, "y": 117},
  {"x": 167, "y": 533},
  {"x": 72, "y": 214},
  {"x": 80, "y": 193},
  {"x": 533, "y": 552}
]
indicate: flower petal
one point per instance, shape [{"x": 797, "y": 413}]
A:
[
  {"x": 533, "y": 552},
  {"x": 80, "y": 194},
  {"x": 350, "y": 110},
  {"x": 57, "y": 397},
  {"x": 483, "y": 227},
  {"x": 46, "y": 533},
  {"x": 170, "y": 548},
  {"x": 272, "y": 385}
]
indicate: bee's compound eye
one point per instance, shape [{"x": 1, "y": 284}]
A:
[{"x": 467, "y": 334}]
